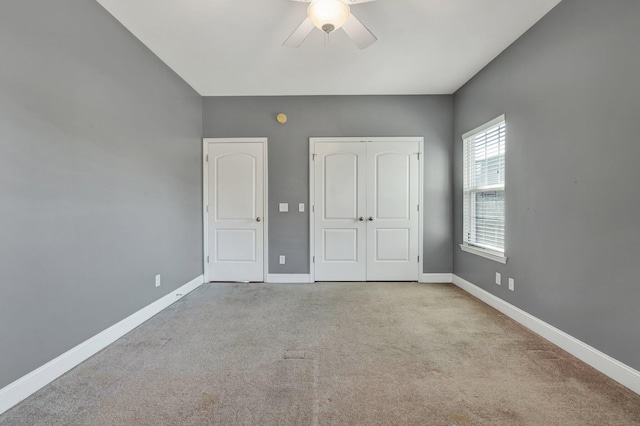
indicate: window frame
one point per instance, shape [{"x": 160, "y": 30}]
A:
[{"x": 490, "y": 253}]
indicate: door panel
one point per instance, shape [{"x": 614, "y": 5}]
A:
[
  {"x": 340, "y": 186},
  {"x": 235, "y": 245},
  {"x": 392, "y": 185},
  {"x": 392, "y": 206},
  {"x": 392, "y": 245},
  {"x": 236, "y": 201},
  {"x": 235, "y": 189},
  {"x": 340, "y": 242},
  {"x": 340, "y": 245}
]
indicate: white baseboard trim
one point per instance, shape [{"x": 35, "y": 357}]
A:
[
  {"x": 436, "y": 278},
  {"x": 288, "y": 278},
  {"x": 602, "y": 362},
  {"x": 17, "y": 391}
]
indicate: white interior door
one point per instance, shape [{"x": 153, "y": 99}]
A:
[
  {"x": 340, "y": 209},
  {"x": 366, "y": 211},
  {"x": 236, "y": 211},
  {"x": 392, "y": 211}
]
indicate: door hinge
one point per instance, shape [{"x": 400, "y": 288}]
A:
[
  {"x": 207, "y": 259},
  {"x": 313, "y": 209},
  {"x": 207, "y": 158},
  {"x": 313, "y": 157},
  {"x": 418, "y": 259},
  {"x": 207, "y": 209},
  {"x": 418, "y": 154},
  {"x": 314, "y": 259},
  {"x": 418, "y": 207}
]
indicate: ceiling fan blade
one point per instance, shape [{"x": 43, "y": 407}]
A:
[
  {"x": 300, "y": 34},
  {"x": 360, "y": 35}
]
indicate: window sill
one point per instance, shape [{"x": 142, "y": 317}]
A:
[{"x": 484, "y": 253}]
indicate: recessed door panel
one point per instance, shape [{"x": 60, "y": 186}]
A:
[
  {"x": 340, "y": 186},
  {"x": 340, "y": 245},
  {"x": 236, "y": 245},
  {"x": 235, "y": 187},
  {"x": 392, "y": 181},
  {"x": 393, "y": 245},
  {"x": 236, "y": 210}
]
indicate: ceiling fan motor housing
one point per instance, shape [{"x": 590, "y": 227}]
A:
[{"x": 327, "y": 28}]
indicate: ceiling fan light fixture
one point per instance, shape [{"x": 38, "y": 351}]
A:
[{"x": 328, "y": 15}]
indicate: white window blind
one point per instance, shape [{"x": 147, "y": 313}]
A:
[{"x": 484, "y": 162}]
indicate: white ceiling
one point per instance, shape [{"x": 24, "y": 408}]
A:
[{"x": 234, "y": 47}]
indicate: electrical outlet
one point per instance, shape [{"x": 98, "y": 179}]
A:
[
  {"x": 158, "y": 280},
  {"x": 301, "y": 207},
  {"x": 282, "y": 259},
  {"x": 511, "y": 284},
  {"x": 498, "y": 278},
  {"x": 283, "y": 207}
]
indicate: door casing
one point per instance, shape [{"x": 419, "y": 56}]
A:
[
  {"x": 205, "y": 200},
  {"x": 314, "y": 140}
]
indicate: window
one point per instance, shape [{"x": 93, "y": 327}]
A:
[{"x": 483, "y": 191}]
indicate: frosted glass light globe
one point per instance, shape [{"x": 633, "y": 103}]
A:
[{"x": 328, "y": 15}]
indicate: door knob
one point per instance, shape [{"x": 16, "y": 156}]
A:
[
  {"x": 361, "y": 218},
  {"x": 370, "y": 219},
  {"x": 258, "y": 220}
]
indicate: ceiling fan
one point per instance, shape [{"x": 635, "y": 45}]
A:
[{"x": 328, "y": 16}]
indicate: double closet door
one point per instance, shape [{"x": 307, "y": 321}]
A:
[{"x": 366, "y": 211}]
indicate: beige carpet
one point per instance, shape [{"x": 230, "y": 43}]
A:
[{"x": 330, "y": 354}]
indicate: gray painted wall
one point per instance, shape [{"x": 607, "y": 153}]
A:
[
  {"x": 427, "y": 116},
  {"x": 569, "y": 89},
  {"x": 100, "y": 178}
]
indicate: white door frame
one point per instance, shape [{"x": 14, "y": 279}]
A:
[
  {"x": 313, "y": 141},
  {"x": 205, "y": 199}
]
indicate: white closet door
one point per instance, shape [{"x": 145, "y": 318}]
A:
[
  {"x": 236, "y": 206},
  {"x": 392, "y": 211},
  {"x": 340, "y": 209}
]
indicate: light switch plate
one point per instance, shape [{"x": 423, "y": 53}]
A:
[
  {"x": 283, "y": 207},
  {"x": 301, "y": 207},
  {"x": 511, "y": 284},
  {"x": 498, "y": 278},
  {"x": 282, "y": 259}
]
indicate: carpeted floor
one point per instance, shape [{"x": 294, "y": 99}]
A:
[{"x": 330, "y": 354}]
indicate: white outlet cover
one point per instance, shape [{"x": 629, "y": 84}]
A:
[
  {"x": 158, "y": 280},
  {"x": 301, "y": 207},
  {"x": 282, "y": 259},
  {"x": 511, "y": 284},
  {"x": 283, "y": 207},
  {"x": 498, "y": 278}
]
